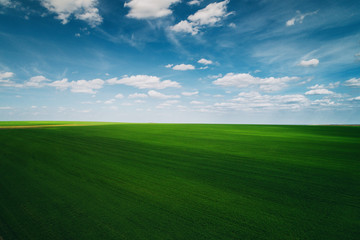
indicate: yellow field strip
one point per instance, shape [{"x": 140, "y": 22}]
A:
[{"x": 43, "y": 126}]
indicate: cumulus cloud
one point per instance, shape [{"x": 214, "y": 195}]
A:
[
  {"x": 183, "y": 67},
  {"x": 186, "y": 27},
  {"x": 354, "y": 82},
  {"x": 85, "y": 10},
  {"x": 188, "y": 94},
  {"x": 309, "y": 63},
  {"x": 242, "y": 80},
  {"x": 119, "y": 96},
  {"x": 138, "y": 95},
  {"x": 144, "y": 81},
  {"x": 145, "y": 9},
  {"x": 156, "y": 94},
  {"x": 169, "y": 65},
  {"x": 205, "y": 61},
  {"x": 256, "y": 101},
  {"x": 37, "y": 81},
  {"x": 299, "y": 18},
  {"x": 211, "y": 15},
  {"x": 320, "y": 91},
  {"x": 80, "y": 86}
]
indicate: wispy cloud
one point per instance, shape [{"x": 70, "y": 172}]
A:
[
  {"x": 299, "y": 18},
  {"x": 242, "y": 80},
  {"x": 138, "y": 95},
  {"x": 188, "y": 94},
  {"x": 254, "y": 101},
  {"x": 320, "y": 91},
  {"x": 354, "y": 82}
]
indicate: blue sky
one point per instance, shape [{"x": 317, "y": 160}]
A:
[{"x": 245, "y": 61}]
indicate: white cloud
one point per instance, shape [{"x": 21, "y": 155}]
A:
[
  {"x": 325, "y": 102},
  {"x": 168, "y": 103},
  {"x": 355, "y": 98},
  {"x": 354, "y": 82},
  {"x": 5, "y": 2},
  {"x": 215, "y": 76},
  {"x": 144, "y": 81},
  {"x": 299, "y": 18},
  {"x": 190, "y": 93},
  {"x": 256, "y": 101},
  {"x": 309, "y": 63},
  {"x": 6, "y": 108},
  {"x": 232, "y": 25},
  {"x": 80, "y": 86},
  {"x": 211, "y": 15},
  {"x": 110, "y": 101},
  {"x": 155, "y": 94},
  {"x": 183, "y": 67},
  {"x": 205, "y": 61},
  {"x": 37, "y": 81},
  {"x": 85, "y": 10},
  {"x": 60, "y": 84},
  {"x": 242, "y": 80},
  {"x": 194, "y": 2},
  {"x": 138, "y": 95},
  {"x": 290, "y": 22},
  {"x": 119, "y": 96},
  {"x": 321, "y": 86},
  {"x": 320, "y": 91},
  {"x": 196, "y": 102},
  {"x": 169, "y": 65},
  {"x": 186, "y": 27},
  {"x": 143, "y": 9},
  {"x": 6, "y": 75}
]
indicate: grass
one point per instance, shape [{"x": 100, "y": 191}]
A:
[{"x": 180, "y": 181}]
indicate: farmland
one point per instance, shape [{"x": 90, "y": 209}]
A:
[{"x": 179, "y": 181}]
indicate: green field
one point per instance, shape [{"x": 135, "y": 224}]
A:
[{"x": 180, "y": 181}]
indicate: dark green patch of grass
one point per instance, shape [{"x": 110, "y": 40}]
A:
[{"x": 173, "y": 181}]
